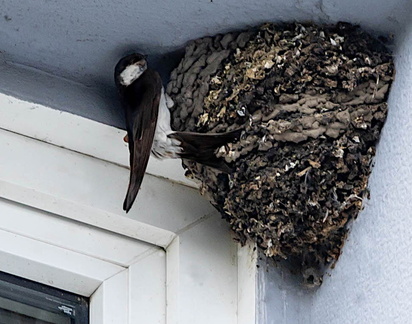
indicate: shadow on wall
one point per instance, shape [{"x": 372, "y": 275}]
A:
[
  {"x": 98, "y": 102},
  {"x": 63, "y": 55}
]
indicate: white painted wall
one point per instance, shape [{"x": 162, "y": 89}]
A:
[
  {"x": 83, "y": 40},
  {"x": 372, "y": 281},
  {"x": 62, "y": 53}
]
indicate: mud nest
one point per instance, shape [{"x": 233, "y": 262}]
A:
[{"x": 312, "y": 102}]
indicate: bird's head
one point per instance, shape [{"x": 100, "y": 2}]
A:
[{"x": 129, "y": 69}]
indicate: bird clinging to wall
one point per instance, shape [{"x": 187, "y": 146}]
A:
[{"x": 148, "y": 125}]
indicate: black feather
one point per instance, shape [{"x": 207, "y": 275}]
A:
[
  {"x": 141, "y": 105},
  {"x": 201, "y": 148}
]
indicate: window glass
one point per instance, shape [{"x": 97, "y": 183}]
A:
[{"x": 26, "y": 302}]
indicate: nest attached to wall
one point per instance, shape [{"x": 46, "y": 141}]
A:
[{"x": 312, "y": 102}]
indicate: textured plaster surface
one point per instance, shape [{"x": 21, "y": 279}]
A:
[
  {"x": 62, "y": 53},
  {"x": 372, "y": 280}
]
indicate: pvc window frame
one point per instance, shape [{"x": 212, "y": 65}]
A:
[{"x": 150, "y": 281}]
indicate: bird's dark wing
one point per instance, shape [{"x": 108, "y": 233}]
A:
[
  {"x": 141, "y": 100},
  {"x": 201, "y": 147}
]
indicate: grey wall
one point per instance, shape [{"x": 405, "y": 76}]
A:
[
  {"x": 62, "y": 53},
  {"x": 372, "y": 281}
]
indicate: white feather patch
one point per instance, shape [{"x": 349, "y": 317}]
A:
[
  {"x": 163, "y": 146},
  {"x": 130, "y": 74}
]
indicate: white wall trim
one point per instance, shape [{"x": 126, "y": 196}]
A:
[
  {"x": 79, "y": 135},
  {"x": 86, "y": 214},
  {"x": 110, "y": 302},
  {"x": 247, "y": 288},
  {"x": 182, "y": 244},
  {"x": 113, "y": 288},
  {"x": 172, "y": 279},
  {"x": 52, "y": 265}
]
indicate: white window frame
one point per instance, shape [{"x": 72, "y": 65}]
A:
[{"x": 149, "y": 282}]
